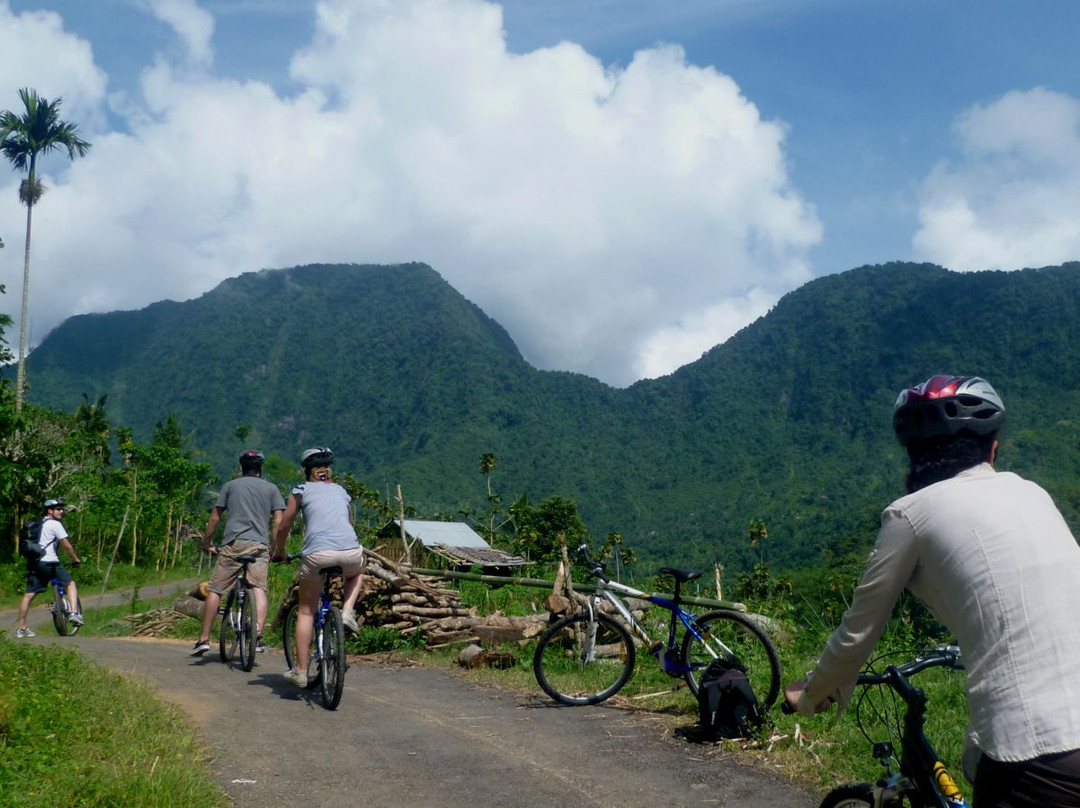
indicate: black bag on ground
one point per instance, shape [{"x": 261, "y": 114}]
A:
[
  {"x": 727, "y": 706},
  {"x": 30, "y": 540}
]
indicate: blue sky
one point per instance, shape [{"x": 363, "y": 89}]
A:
[{"x": 621, "y": 183}]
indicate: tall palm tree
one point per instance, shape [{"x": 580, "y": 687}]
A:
[{"x": 38, "y": 130}]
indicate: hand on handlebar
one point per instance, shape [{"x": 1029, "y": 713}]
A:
[{"x": 793, "y": 692}]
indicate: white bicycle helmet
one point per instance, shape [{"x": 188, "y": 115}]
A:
[{"x": 945, "y": 405}]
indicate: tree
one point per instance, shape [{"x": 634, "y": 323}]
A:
[{"x": 37, "y": 131}]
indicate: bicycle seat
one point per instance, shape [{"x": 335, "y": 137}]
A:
[
  {"x": 336, "y": 570},
  {"x": 680, "y": 575},
  {"x": 246, "y": 559}
]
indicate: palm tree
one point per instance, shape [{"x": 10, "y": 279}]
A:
[{"x": 38, "y": 130}]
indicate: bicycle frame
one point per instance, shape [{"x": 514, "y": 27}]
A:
[
  {"x": 671, "y": 659},
  {"x": 921, "y": 773}
]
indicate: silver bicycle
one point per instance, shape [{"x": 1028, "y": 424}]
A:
[{"x": 588, "y": 656}]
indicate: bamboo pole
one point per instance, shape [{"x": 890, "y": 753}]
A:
[{"x": 542, "y": 584}]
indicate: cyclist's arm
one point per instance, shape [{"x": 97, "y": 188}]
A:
[
  {"x": 211, "y": 528},
  {"x": 70, "y": 550},
  {"x": 283, "y": 523},
  {"x": 887, "y": 572}
]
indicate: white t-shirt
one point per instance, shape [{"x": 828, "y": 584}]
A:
[{"x": 52, "y": 531}]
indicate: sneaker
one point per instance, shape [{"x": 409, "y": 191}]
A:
[
  {"x": 348, "y": 617},
  {"x": 297, "y": 678},
  {"x": 25, "y": 632},
  {"x": 76, "y": 619},
  {"x": 260, "y": 647},
  {"x": 201, "y": 647}
]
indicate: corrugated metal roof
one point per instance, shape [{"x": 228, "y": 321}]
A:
[{"x": 450, "y": 534}]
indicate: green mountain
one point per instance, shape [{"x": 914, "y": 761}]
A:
[{"x": 788, "y": 421}]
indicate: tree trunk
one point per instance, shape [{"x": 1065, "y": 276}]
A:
[{"x": 20, "y": 376}]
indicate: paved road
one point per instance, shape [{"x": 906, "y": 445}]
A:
[{"x": 420, "y": 736}]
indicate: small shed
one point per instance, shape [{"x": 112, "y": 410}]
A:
[{"x": 455, "y": 543}]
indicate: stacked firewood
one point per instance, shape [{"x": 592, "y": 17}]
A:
[{"x": 396, "y": 597}]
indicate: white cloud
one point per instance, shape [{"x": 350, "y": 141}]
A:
[
  {"x": 36, "y": 52},
  {"x": 612, "y": 219},
  {"x": 1013, "y": 199},
  {"x": 193, "y": 25}
]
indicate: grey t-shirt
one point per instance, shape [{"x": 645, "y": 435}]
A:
[
  {"x": 249, "y": 501},
  {"x": 327, "y": 522}
]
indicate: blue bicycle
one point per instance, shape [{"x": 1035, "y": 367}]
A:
[
  {"x": 326, "y": 656},
  {"x": 588, "y": 656}
]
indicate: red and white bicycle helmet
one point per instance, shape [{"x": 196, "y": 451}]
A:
[{"x": 945, "y": 405}]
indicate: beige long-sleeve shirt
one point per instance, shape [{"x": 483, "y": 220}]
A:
[{"x": 991, "y": 556}]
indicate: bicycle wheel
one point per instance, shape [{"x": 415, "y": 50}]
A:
[
  {"x": 731, "y": 636},
  {"x": 332, "y": 659},
  {"x": 60, "y": 613},
  {"x": 583, "y": 662},
  {"x": 851, "y": 795},
  {"x": 229, "y": 638},
  {"x": 288, "y": 642},
  {"x": 249, "y": 630}
]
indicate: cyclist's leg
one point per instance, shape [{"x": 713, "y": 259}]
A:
[
  {"x": 257, "y": 577},
  {"x": 310, "y": 587},
  {"x": 352, "y": 562},
  {"x": 36, "y": 581},
  {"x": 1050, "y": 781},
  {"x": 225, "y": 573}
]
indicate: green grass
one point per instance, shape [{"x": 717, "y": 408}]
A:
[{"x": 74, "y": 735}]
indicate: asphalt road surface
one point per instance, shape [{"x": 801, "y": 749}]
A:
[{"x": 418, "y": 736}]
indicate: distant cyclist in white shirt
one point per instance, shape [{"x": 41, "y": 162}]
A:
[
  {"x": 991, "y": 556},
  {"x": 41, "y": 572}
]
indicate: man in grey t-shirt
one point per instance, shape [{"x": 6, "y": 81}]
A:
[{"x": 250, "y": 501}]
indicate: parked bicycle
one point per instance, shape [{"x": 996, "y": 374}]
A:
[
  {"x": 239, "y": 621},
  {"x": 588, "y": 656},
  {"x": 61, "y": 609},
  {"x": 327, "y": 661},
  {"x": 921, "y": 779}
]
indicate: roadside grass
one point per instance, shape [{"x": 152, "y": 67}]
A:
[{"x": 73, "y": 734}]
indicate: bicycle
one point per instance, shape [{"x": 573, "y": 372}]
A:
[
  {"x": 61, "y": 609},
  {"x": 239, "y": 620},
  {"x": 327, "y": 651},
  {"x": 588, "y": 656},
  {"x": 921, "y": 780}
]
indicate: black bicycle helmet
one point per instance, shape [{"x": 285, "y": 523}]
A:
[
  {"x": 252, "y": 457},
  {"x": 316, "y": 456},
  {"x": 945, "y": 405}
]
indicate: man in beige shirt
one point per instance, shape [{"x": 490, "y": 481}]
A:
[{"x": 991, "y": 556}]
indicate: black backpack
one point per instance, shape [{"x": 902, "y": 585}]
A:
[
  {"x": 30, "y": 540},
  {"x": 727, "y": 706}
]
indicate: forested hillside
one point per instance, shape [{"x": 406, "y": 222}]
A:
[{"x": 787, "y": 422}]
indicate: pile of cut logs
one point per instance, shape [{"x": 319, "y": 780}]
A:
[{"x": 396, "y": 597}]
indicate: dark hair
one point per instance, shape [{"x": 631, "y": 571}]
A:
[{"x": 940, "y": 458}]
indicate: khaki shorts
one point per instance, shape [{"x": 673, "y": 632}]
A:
[
  {"x": 227, "y": 570},
  {"x": 350, "y": 561}
]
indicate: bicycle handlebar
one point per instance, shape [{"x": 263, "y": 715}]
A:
[
  {"x": 947, "y": 656},
  {"x": 896, "y": 676}
]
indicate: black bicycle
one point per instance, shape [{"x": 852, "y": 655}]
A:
[
  {"x": 61, "y": 610},
  {"x": 327, "y": 661},
  {"x": 239, "y": 620},
  {"x": 921, "y": 779}
]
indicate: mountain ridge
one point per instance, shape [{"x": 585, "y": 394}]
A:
[{"x": 411, "y": 383}]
